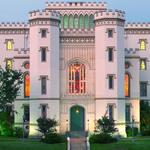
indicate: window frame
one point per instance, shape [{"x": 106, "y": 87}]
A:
[
  {"x": 129, "y": 85},
  {"x": 12, "y": 44},
  {"x": 11, "y": 60},
  {"x": 43, "y": 90},
  {"x": 111, "y": 78},
  {"x": 141, "y": 44},
  {"x": 45, "y": 49},
  {"x": 145, "y": 92},
  {"x": 145, "y": 64},
  {"x": 41, "y": 31},
  {"x": 112, "y": 54},
  {"x": 128, "y": 118},
  {"x": 25, "y": 95}
]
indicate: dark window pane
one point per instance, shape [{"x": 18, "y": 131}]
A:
[
  {"x": 43, "y": 111},
  {"x": 110, "y": 33},
  {"x": 43, "y": 85},
  {"x": 43, "y": 33},
  {"x": 110, "y": 54},
  {"x": 143, "y": 89},
  {"x": 128, "y": 113},
  {"x": 111, "y": 113},
  {"x": 110, "y": 82},
  {"x": 26, "y": 113},
  {"x": 43, "y": 54}
]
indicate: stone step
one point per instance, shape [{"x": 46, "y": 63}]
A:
[{"x": 78, "y": 144}]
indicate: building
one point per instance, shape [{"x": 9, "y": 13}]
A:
[{"x": 81, "y": 61}]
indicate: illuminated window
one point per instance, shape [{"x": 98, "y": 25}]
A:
[
  {"x": 77, "y": 83},
  {"x": 127, "y": 85},
  {"x": 91, "y": 21},
  {"x": 143, "y": 64},
  {"x": 81, "y": 22},
  {"x": 76, "y": 23},
  {"x": 27, "y": 85},
  {"x": 86, "y": 22},
  {"x": 142, "y": 44},
  {"x": 65, "y": 21},
  {"x": 9, "y": 63},
  {"x": 143, "y": 89},
  {"x": 9, "y": 44},
  {"x": 128, "y": 112},
  {"x": 71, "y": 21},
  {"x": 111, "y": 112}
]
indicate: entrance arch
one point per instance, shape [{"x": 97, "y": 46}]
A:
[{"x": 77, "y": 118}]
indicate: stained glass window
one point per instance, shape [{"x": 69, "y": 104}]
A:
[
  {"x": 65, "y": 21},
  {"x": 27, "y": 85},
  {"x": 9, "y": 44},
  {"x": 71, "y": 21},
  {"x": 76, "y": 23},
  {"x": 142, "y": 44},
  {"x": 127, "y": 85},
  {"x": 77, "y": 83},
  {"x": 81, "y": 22}
]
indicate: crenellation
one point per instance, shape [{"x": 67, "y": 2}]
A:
[
  {"x": 19, "y": 25},
  {"x": 110, "y": 14},
  {"x": 37, "y": 14},
  {"x": 138, "y": 25}
]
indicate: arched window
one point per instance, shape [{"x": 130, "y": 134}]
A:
[
  {"x": 76, "y": 23},
  {"x": 86, "y": 22},
  {"x": 81, "y": 22},
  {"x": 77, "y": 83},
  {"x": 9, "y": 44},
  {"x": 127, "y": 85},
  {"x": 27, "y": 85},
  {"x": 61, "y": 22},
  {"x": 71, "y": 21},
  {"x": 65, "y": 21},
  {"x": 91, "y": 21}
]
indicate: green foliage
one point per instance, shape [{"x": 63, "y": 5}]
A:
[
  {"x": 18, "y": 132},
  {"x": 145, "y": 118},
  {"x": 10, "y": 83},
  {"x": 102, "y": 138},
  {"x": 6, "y": 128},
  {"x": 46, "y": 125},
  {"x": 129, "y": 131},
  {"x": 51, "y": 138},
  {"x": 106, "y": 125}
]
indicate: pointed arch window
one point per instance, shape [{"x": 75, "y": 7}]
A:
[
  {"x": 91, "y": 21},
  {"x": 65, "y": 21},
  {"x": 142, "y": 44},
  {"x": 127, "y": 85},
  {"x": 81, "y": 22},
  {"x": 71, "y": 21},
  {"x": 77, "y": 75},
  {"x": 86, "y": 21},
  {"x": 26, "y": 85},
  {"x": 76, "y": 23}
]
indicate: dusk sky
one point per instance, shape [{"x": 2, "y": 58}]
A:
[{"x": 17, "y": 10}]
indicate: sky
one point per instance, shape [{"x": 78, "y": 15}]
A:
[{"x": 17, "y": 10}]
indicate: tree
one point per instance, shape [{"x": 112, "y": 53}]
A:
[
  {"x": 106, "y": 125},
  {"x": 10, "y": 84},
  {"x": 46, "y": 125}
]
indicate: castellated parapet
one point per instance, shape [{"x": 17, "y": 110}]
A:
[
  {"x": 137, "y": 25},
  {"x": 57, "y": 5},
  {"x": 14, "y": 25},
  {"x": 44, "y": 14},
  {"x": 109, "y": 14}
]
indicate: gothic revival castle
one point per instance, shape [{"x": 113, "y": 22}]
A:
[{"x": 81, "y": 61}]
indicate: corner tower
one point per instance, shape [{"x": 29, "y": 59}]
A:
[
  {"x": 109, "y": 62},
  {"x": 44, "y": 70}
]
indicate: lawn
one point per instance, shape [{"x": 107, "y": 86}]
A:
[
  {"x": 18, "y": 144},
  {"x": 140, "y": 144}
]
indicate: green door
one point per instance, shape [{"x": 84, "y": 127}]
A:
[{"x": 77, "y": 118}]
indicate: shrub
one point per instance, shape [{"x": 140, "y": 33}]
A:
[
  {"x": 129, "y": 131},
  {"x": 145, "y": 132},
  {"x": 18, "y": 132},
  {"x": 102, "y": 138},
  {"x": 46, "y": 125},
  {"x": 51, "y": 138}
]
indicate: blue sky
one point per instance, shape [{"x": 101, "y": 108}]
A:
[{"x": 17, "y": 10}]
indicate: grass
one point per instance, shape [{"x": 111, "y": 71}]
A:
[
  {"x": 18, "y": 144},
  {"x": 128, "y": 144}
]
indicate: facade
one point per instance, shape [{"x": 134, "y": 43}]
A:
[{"x": 81, "y": 61}]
